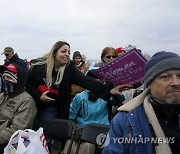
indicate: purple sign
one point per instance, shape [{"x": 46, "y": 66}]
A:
[{"x": 127, "y": 69}]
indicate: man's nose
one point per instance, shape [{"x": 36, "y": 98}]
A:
[{"x": 175, "y": 80}]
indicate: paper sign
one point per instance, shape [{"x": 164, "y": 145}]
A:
[{"x": 127, "y": 69}]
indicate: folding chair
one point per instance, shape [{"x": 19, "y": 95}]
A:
[
  {"x": 90, "y": 132},
  {"x": 59, "y": 129}
]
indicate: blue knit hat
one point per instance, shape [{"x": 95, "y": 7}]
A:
[{"x": 159, "y": 63}]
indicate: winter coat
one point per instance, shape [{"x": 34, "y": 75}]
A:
[
  {"x": 84, "y": 111},
  {"x": 17, "y": 111},
  {"x": 72, "y": 75},
  {"x": 16, "y": 60},
  {"x": 75, "y": 88},
  {"x": 133, "y": 121}
]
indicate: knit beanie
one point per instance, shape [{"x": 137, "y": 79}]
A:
[
  {"x": 10, "y": 71},
  {"x": 10, "y": 74},
  {"x": 76, "y": 54},
  {"x": 159, "y": 63}
]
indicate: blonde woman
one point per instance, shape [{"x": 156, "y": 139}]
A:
[{"x": 49, "y": 82}]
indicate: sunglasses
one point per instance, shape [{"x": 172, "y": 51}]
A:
[
  {"x": 6, "y": 54},
  {"x": 109, "y": 57}
]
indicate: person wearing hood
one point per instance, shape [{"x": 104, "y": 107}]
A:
[
  {"x": 17, "y": 107},
  {"x": 13, "y": 58},
  {"x": 150, "y": 123}
]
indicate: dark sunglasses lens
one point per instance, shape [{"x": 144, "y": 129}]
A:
[
  {"x": 109, "y": 57},
  {"x": 6, "y": 54}
]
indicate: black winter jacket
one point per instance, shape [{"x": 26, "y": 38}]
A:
[
  {"x": 16, "y": 60},
  {"x": 71, "y": 76}
]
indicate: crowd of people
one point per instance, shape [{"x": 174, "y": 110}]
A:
[{"x": 56, "y": 86}]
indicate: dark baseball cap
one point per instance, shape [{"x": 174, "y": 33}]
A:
[{"x": 7, "y": 50}]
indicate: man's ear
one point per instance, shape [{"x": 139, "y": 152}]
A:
[{"x": 149, "y": 87}]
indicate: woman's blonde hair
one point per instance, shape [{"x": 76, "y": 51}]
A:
[{"x": 49, "y": 59}]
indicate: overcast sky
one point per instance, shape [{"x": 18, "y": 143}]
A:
[{"x": 31, "y": 27}]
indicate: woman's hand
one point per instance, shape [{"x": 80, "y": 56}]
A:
[
  {"x": 118, "y": 89},
  {"x": 45, "y": 98}
]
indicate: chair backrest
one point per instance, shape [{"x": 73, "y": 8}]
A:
[
  {"x": 90, "y": 133},
  {"x": 60, "y": 128}
]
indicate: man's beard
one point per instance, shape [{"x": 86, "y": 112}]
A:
[
  {"x": 173, "y": 95},
  {"x": 172, "y": 100}
]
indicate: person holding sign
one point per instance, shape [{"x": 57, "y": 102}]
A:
[{"x": 108, "y": 54}]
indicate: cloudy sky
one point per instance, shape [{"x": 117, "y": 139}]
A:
[{"x": 31, "y": 27}]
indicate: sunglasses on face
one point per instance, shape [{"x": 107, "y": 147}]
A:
[
  {"x": 6, "y": 54},
  {"x": 109, "y": 57}
]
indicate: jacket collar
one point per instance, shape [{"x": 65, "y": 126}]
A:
[
  {"x": 132, "y": 104},
  {"x": 15, "y": 93},
  {"x": 143, "y": 98}
]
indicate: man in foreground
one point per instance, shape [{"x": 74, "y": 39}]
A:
[{"x": 150, "y": 122}]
